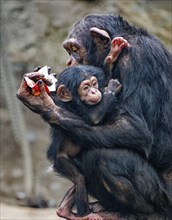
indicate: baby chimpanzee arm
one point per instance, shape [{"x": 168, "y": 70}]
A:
[{"x": 108, "y": 104}]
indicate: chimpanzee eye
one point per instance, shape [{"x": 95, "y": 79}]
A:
[
  {"x": 74, "y": 49},
  {"x": 95, "y": 83},
  {"x": 85, "y": 88}
]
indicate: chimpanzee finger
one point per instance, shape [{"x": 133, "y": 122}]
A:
[
  {"x": 47, "y": 81},
  {"x": 41, "y": 87},
  {"x": 122, "y": 45},
  {"x": 105, "y": 89},
  {"x": 37, "y": 69},
  {"x": 23, "y": 90},
  {"x": 49, "y": 69},
  {"x": 118, "y": 41},
  {"x": 54, "y": 74},
  {"x": 114, "y": 86},
  {"x": 34, "y": 76}
]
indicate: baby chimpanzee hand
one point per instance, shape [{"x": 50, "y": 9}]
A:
[{"x": 114, "y": 87}]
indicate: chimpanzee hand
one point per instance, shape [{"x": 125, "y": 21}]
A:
[
  {"x": 114, "y": 87},
  {"x": 40, "y": 103},
  {"x": 39, "y": 67},
  {"x": 117, "y": 44}
]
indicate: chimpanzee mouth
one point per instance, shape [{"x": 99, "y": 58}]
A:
[{"x": 94, "y": 102}]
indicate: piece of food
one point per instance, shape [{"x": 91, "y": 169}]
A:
[{"x": 48, "y": 79}]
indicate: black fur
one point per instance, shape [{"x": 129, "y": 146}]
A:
[
  {"x": 137, "y": 178},
  {"x": 62, "y": 140}
]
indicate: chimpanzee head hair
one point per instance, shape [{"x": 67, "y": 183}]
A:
[
  {"x": 105, "y": 22},
  {"x": 71, "y": 77},
  {"x": 113, "y": 25}
]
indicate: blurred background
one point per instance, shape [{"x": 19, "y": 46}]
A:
[{"x": 32, "y": 32}]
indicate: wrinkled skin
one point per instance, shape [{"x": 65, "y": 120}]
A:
[{"x": 144, "y": 128}]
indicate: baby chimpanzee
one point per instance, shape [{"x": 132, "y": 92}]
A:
[
  {"x": 85, "y": 91},
  {"x": 81, "y": 90}
]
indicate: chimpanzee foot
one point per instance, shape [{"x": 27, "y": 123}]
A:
[
  {"x": 64, "y": 213},
  {"x": 91, "y": 216},
  {"x": 117, "y": 44},
  {"x": 96, "y": 207},
  {"x": 110, "y": 216}
]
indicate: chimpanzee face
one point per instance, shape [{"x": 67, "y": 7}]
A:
[
  {"x": 76, "y": 51},
  {"x": 87, "y": 91},
  {"x": 90, "y": 51}
]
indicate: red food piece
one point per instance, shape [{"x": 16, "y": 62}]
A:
[{"x": 35, "y": 87}]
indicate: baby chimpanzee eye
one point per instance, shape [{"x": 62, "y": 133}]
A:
[
  {"x": 94, "y": 83},
  {"x": 86, "y": 88}
]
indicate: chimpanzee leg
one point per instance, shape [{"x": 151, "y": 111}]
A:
[
  {"x": 122, "y": 181},
  {"x": 96, "y": 207},
  {"x": 68, "y": 168},
  {"x": 76, "y": 195},
  {"x": 65, "y": 207}
]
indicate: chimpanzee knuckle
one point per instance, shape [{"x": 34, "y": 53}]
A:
[
  {"x": 112, "y": 83},
  {"x": 31, "y": 75},
  {"x": 115, "y": 41},
  {"x": 108, "y": 59},
  {"x": 110, "y": 87},
  {"x": 37, "y": 68},
  {"x": 114, "y": 80},
  {"x": 114, "y": 86},
  {"x": 116, "y": 83},
  {"x": 123, "y": 45},
  {"x": 49, "y": 69},
  {"x": 25, "y": 75},
  {"x": 117, "y": 89},
  {"x": 18, "y": 95}
]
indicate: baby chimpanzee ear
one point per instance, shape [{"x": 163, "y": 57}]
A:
[
  {"x": 101, "y": 38},
  {"x": 63, "y": 93}
]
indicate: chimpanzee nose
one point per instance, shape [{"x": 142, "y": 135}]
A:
[
  {"x": 71, "y": 62},
  {"x": 94, "y": 91}
]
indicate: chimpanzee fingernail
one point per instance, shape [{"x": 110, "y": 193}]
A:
[
  {"x": 49, "y": 69},
  {"x": 37, "y": 68},
  {"x": 40, "y": 82}
]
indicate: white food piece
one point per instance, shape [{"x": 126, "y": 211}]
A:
[{"x": 51, "y": 78}]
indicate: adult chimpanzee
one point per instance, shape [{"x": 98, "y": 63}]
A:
[{"x": 137, "y": 180}]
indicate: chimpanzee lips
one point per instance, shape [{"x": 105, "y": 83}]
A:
[{"x": 94, "y": 101}]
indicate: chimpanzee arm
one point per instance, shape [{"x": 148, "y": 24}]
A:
[
  {"x": 96, "y": 114},
  {"x": 108, "y": 104},
  {"x": 122, "y": 132}
]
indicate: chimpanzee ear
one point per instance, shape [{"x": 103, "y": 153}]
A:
[
  {"x": 64, "y": 94},
  {"x": 101, "y": 38}
]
